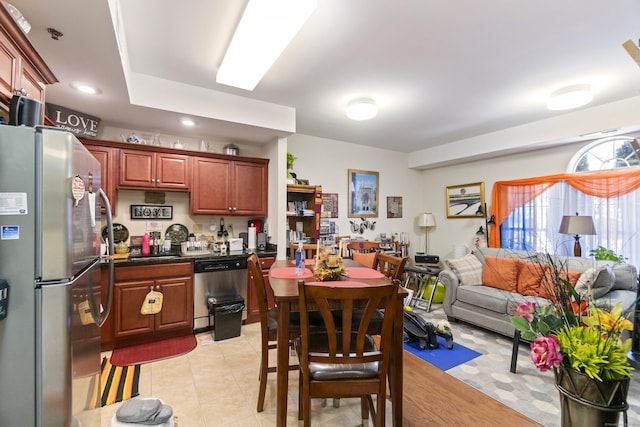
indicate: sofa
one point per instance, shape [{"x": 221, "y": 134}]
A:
[{"x": 484, "y": 287}]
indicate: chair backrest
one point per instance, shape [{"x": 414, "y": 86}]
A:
[
  {"x": 346, "y": 342},
  {"x": 253, "y": 264},
  {"x": 309, "y": 249},
  {"x": 389, "y": 265},
  {"x": 363, "y": 246}
]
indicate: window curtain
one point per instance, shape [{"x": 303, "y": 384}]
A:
[{"x": 528, "y": 211}]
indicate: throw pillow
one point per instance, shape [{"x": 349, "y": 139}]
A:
[
  {"x": 529, "y": 278},
  {"x": 365, "y": 259},
  {"x": 548, "y": 282},
  {"x": 600, "y": 280},
  {"x": 501, "y": 273},
  {"x": 468, "y": 269}
]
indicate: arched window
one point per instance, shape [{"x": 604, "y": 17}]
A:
[{"x": 607, "y": 153}]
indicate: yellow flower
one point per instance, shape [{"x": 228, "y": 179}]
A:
[{"x": 612, "y": 321}]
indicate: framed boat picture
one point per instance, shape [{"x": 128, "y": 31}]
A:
[{"x": 465, "y": 201}]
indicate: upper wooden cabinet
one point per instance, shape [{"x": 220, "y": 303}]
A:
[
  {"x": 22, "y": 69},
  {"x": 108, "y": 158},
  {"x": 145, "y": 169},
  {"x": 229, "y": 187}
]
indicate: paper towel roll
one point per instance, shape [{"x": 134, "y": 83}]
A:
[
  {"x": 459, "y": 251},
  {"x": 252, "y": 237}
]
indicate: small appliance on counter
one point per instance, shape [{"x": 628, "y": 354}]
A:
[
  {"x": 262, "y": 241},
  {"x": 235, "y": 243},
  {"x": 257, "y": 223}
]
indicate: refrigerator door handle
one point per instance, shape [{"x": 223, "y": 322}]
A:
[{"x": 102, "y": 317}]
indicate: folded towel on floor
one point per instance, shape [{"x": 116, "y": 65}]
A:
[{"x": 144, "y": 411}]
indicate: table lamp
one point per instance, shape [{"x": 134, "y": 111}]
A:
[
  {"x": 426, "y": 220},
  {"x": 577, "y": 225}
]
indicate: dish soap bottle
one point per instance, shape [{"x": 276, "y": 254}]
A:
[
  {"x": 300, "y": 260},
  {"x": 146, "y": 243}
]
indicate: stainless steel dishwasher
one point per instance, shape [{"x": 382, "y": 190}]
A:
[{"x": 220, "y": 276}]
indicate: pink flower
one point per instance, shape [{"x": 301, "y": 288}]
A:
[
  {"x": 545, "y": 353},
  {"x": 526, "y": 310}
]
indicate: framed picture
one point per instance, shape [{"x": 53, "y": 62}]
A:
[
  {"x": 465, "y": 201},
  {"x": 363, "y": 194},
  {"x": 329, "y": 205},
  {"x": 394, "y": 207}
]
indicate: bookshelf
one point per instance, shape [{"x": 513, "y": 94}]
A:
[{"x": 304, "y": 204}]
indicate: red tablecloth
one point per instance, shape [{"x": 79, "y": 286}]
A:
[
  {"x": 311, "y": 261},
  {"x": 340, "y": 283},
  {"x": 363, "y": 273},
  {"x": 290, "y": 273}
]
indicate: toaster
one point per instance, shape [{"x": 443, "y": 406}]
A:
[{"x": 235, "y": 244}]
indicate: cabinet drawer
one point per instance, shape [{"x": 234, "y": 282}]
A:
[
  {"x": 153, "y": 271},
  {"x": 266, "y": 262}
]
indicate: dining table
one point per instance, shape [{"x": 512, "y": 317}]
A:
[{"x": 284, "y": 284}]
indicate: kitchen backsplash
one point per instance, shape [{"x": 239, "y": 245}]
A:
[{"x": 197, "y": 224}]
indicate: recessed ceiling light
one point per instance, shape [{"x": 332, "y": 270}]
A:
[
  {"x": 265, "y": 30},
  {"x": 570, "y": 97},
  {"x": 362, "y": 109},
  {"x": 187, "y": 122},
  {"x": 84, "y": 88}
]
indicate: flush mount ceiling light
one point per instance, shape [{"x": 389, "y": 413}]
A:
[
  {"x": 570, "y": 97},
  {"x": 187, "y": 122},
  {"x": 362, "y": 109},
  {"x": 265, "y": 30},
  {"x": 84, "y": 88}
]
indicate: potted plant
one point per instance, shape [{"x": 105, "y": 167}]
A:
[
  {"x": 291, "y": 176},
  {"x": 603, "y": 253},
  {"x": 583, "y": 344}
]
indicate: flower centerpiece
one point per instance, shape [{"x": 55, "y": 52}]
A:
[
  {"x": 329, "y": 265},
  {"x": 584, "y": 345}
]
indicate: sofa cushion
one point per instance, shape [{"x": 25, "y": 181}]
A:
[
  {"x": 488, "y": 298},
  {"x": 529, "y": 278},
  {"x": 599, "y": 280},
  {"x": 468, "y": 269},
  {"x": 365, "y": 259},
  {"x": 501, "y": 273},
  {"x": 626, "y": 277}
]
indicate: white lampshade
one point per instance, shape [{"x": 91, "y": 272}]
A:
[
  {"x": 578, "y": 225},
  {"x": 426, "y": 220}
]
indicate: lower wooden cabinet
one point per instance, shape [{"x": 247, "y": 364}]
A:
[
  {"x": 132, "y": 284},
  {"x": 253, "y": 312}
]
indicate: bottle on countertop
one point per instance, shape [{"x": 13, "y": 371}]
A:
[
  {"x": 300, "y": 259},
  {"x": 146, "y": 242}
]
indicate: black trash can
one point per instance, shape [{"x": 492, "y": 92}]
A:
[{"x": 227, "y": 315}]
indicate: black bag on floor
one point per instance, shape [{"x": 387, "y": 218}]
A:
[{"x": 418, "y": 329}]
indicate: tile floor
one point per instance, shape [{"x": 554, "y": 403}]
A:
[{"x": 217, "y": 383}]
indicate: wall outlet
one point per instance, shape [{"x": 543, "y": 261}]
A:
[{"x": 154, "y": 226}]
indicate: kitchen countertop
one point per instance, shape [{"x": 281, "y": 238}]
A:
[{"x": 172, "y": 258}]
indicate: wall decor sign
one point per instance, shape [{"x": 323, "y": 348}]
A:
[
  {"x": 79, "y": 124},
  {"x": 363, "y": 194},
  {"x": 151, "y": 212},
  {"x": 465, "y": 201},
  {"x": 329, "y": 205},
  {"x": 394, "y": 207}
]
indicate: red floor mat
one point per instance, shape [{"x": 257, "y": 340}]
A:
[{"x": 146, "y": 353}]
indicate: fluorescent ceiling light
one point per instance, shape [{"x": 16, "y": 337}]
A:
[
  {"x": 84, "y": 88},
  {"x": 362, "y": 109},
  {"x": 570, "y": 97},
  {"x": 265, "y": 30},
  {"x": 187, "y": 122}
]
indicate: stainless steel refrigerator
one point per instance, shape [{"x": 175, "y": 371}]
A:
[{"x": 50, "y": 258}]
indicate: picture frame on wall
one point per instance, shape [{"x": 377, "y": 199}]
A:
[
  {"x": 465, "y": 201},
  {"x": 329, "y": 205},
  {"x": 394, "y": 207},
  {"x": 363, "y": 194}
]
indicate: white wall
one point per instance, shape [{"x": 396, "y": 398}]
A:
[{"x": 326, "y": 162}]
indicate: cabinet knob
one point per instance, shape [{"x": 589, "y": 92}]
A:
[
  {"x": 22, "y": 91},
  {"x": 151, "y": 287},
  {"x": 230, "y": 208},
  {"x": 157, "y": 287}
]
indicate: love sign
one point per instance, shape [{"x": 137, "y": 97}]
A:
[{"x": 79, "y": 124}]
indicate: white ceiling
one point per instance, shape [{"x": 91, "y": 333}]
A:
[{"x": 441, "y": 71}]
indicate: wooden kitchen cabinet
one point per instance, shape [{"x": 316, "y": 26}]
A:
[
  {"x": 107, "y": 157},
  {"x": 253, "y": 312},
  {"x": 132, "y": 283},
  {"x": 22, "y": 69},
  {"x": 146, "y": 169},
  {"x": 229, "y": 187}
]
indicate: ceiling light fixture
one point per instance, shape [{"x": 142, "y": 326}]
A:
[
  {"x": 570, "y": 97},
  {"x": 265, "y": 30},
  {"x": 80, "y": 87},
  {"x": 362, "y": 109},
  {"x": 187, "y": 122}
]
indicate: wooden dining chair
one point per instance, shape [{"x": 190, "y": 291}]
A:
[
  {"x": 343, "y": 360},
  {"x": 268, "y": 327},
  {"x": 310, "y": 250},
  {"x": 363, "y": 246},
  {"x": 389, "y": 265}
]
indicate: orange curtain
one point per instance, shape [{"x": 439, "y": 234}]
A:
[{"x": 509, "y": 195}]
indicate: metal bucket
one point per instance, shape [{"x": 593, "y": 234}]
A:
[{"x": 231, "y": 149}]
